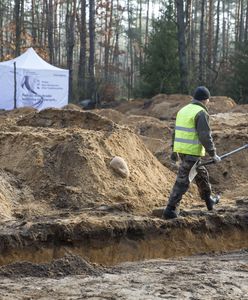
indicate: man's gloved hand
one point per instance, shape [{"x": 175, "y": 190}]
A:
[
  {"x": 216, "y": 158},
  {"x": 174, "y": 156}
]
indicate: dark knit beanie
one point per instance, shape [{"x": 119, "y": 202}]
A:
[{"x": 201, "y": 93}]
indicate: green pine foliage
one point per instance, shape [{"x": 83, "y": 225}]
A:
[
  {"x": 238, "y": 80},
  {"x": 160, "y": 72}
]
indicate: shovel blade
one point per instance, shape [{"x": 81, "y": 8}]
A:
[{"x": 193, "y": 172}]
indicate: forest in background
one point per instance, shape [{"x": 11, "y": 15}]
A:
[{"x": 120, "y": 49}]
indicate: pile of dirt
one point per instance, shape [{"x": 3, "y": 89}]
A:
[
  {"x": 7, "y": 118},
  {"x": 243, "y": 108},
  {"x": 14, "y": 195},
  {"x": 59, "y": 192},
  {"x": 72, "y": 106},
  {"x": 165, "y": 107},
  {"x": 228, "y": 123},
  {"x": 63, "y": 157},
  {"x": 142, "y": 125},
  {"x": 230, "y": 131},
  {"x": 66, "y": 266},
  {"x": 221, "y": 104},
  {"x": 155, "y": 133},
  {"x": 162, "y": 106},
  {"x": 111, "y": 114},
  {"x": 18, "y": 112}
]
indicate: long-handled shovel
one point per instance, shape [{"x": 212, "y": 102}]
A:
[{"x": 193, "y": 171}]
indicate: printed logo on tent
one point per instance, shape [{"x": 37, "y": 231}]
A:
[{"x": 31, "y": 96}]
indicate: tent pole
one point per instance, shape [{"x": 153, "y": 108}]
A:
[{"x": 14, "y": 84}]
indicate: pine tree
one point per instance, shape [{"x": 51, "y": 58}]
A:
[
  {"x": 237, "y": 83},
  {"x": 160, "y": 72}
]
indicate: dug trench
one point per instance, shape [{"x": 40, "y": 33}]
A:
[
  {"x": 116, "y": 239},
  {"x": 60, "y": 197}
]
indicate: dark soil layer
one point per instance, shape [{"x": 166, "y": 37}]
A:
[
  {"x": 119, "y": 238},
  {"x": 68, "y": 265}
]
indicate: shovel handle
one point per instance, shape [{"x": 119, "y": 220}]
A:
[{"x": 212, "y": 161}]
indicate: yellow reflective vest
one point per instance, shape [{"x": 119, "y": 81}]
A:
[{"x": 186, "y": 138}]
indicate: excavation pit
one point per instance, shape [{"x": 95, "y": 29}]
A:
[
  {"x": 68, "y": 219},
  {"x": 109, "y": 239}
]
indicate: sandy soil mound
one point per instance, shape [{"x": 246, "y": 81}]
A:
[
  {"x": 165, "y": 107},
  {"x": 221, "y": 104},
  {"x": 10, "y": 117},
  {"x": 14, "y": 195},
  {"x": 68, "y": 265},
  {"x": 228, "y": 121},
  {"x": 240, "y": 108},
  {"x": 114, "y": 115},
  {"x": 22, "y": 111},
  {"x": 230, "y": 131},
  {"x": 162, "y": 106},
  {"x": 63, "y": 156},
  {"x": 72, "y": 106},
  {"x": 59, "y": 195},
  {"x": 156, "y": 134}
]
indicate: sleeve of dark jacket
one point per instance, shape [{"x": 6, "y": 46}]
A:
[
  {"x": 172, "y": 138},
  {"x": 204, "y": 132}
]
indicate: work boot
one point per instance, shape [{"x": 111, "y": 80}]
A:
[
  {"x": 170, "y": 213},
  {"x": 211, "y": 201}
]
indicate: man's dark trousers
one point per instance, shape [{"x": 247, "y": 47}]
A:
[{"x": 182, "y": 182}]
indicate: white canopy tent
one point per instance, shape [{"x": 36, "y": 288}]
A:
[{"x": 28, "y": 80}]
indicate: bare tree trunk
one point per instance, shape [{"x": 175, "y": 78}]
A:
[
  {"x": 210, "y": 34},
  {"x": 39, "y": 23},
  {"x": 217, "y": 32},
  {"x": 140, "y": 35},
  {"x": 193, "y": 39},
  {"x": 60, "y": 53},
  {"x": 182, "y": 47},
  {"x": 1, "y": 31},
  {"x": 116, "y": 46},
  {"x": 55, "y": 34},
  {"x": 201, "y": 53},
  {"x": 43, "y": 32},
  {"x": 34, "y": 29},
  {"x": 70, "y": 28},
  {"x": 237, "y": 21},
  {"x": 246, "y": 23},
  {"x": 130, "y": 50},
  {"x": 17, "y": 18},
  {"x": 92, "y": 50},
  {"x": 241, "y": 24},
  {"x": 188, "y": 34},
  {"x": 224, "y": 32},
  {"x": 108, "y": 33},
  {"x": 147, "y": 23},
  {"x": 50, "y": 29},
  {"x": 82, "y": 54}
]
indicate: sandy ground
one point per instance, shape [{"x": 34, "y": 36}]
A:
[
  {"x": 222, "y": 276},
  {"x": 57, "y": 162}
]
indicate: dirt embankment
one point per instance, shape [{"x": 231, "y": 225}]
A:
[
  {"x": 60, "y": 160},
  {"x": 154, "y": 121},
  {"x": 230, "y": 131},
  {"x": 165, "y": 107},
  {"x": 59, "y": 195}
]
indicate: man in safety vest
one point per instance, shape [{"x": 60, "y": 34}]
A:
[{"x": 191, "y": 139}]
